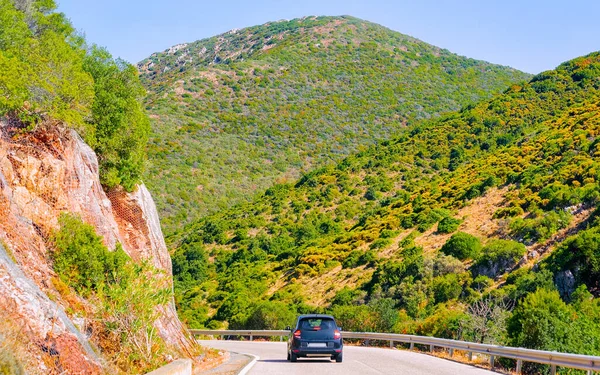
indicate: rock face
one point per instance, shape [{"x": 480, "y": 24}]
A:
[{"x": 43, "y": 174}]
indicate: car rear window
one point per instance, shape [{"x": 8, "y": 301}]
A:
[{"x": 317, "y": 324}]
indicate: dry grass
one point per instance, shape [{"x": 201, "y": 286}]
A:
[
  {"x": 320, "y": 290},
  {"x": 478, "y": 219},
  {"x": 13, "y": 349}
]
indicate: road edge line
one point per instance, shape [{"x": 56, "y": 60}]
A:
[{"x": 247, "y": 368}]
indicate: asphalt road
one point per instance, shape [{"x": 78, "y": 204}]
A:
[{"x": 357, "y": 360}]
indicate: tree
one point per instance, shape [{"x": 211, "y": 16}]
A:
[
  {"x": 486, "y": 320},
  {"x": 121, "y": 128}
]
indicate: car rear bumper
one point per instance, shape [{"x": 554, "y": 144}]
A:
[{"x": 316, "y": 352}]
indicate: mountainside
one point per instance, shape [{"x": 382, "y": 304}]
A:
[
  {"x": 493, "y": 206},
  {"x": 234, "y": 113}
]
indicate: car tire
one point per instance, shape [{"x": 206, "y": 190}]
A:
[
  {"x": 293, "y": 357},
  {"x": 339, "y": 358},
  {"x": 288, "y": 356}
]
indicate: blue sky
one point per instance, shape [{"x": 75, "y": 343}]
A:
[{"x": 531, "y": 35}]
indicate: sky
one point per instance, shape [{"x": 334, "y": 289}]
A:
[{"x": 530, "y": 35}]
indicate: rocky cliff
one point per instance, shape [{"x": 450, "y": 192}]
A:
[{"x": 44, "y": 173}]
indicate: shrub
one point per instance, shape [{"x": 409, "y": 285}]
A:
[
  {"x": 543, "y": 321},
  {"x": 445, "y": 288},
  {"x": 540, "y": 228},
  {"x": 498, "y": 256},
  {"x": 270, "y": 315},
  {"x": 121, "y": 128},
  {"x": 448, "y": 225},
  {"x": 359, "y": 318},
  {"x": 127, "y": 306},
  {"x": 580, "y": 254},
  {"x": 80, "y": 258},
  {"x": 462, "y": 246}
]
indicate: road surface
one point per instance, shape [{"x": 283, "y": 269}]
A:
[{"x": 357, "y": 360}]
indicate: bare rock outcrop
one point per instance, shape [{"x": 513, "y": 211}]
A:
[{"x": 43, "y": 174}]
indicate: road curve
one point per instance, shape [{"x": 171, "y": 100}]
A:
[{"x": 357, "y": 360}]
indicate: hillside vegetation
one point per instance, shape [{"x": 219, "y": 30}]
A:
[
  {"x": 345, "y": 238},
  {"x": 234, "y": 113}
]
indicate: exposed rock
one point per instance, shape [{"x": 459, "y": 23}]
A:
[
  {"x": 43, "y": 174},
  {"x": 565, "y": 283},
  {"x": 56, "y": 335}
]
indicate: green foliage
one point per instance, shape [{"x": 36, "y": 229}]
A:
[
  {"x": 121, "y": 128},
  {"x": 299, "y": 234},
  {"x": 48, "y": 72},
  {"x": 580, "y": 254},
  {"x": 448, "y": 225},
  {"x": 126, "y": 307},
  {"x": 81, "y": 259},
  {"x": 270, "y": 315},
  {"x": 129, "y": 310},
  {"x": 236, "y": 112},
  {"x": 462, "y": 246},
  {"x": 531, "y": 230},
  {"x": 446, "y": 288},
  {"x": 543, "y": 321},
  {"x": 498, "y": 256}
]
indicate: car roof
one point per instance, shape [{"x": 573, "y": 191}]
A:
[{"x": 316, "y": 316}]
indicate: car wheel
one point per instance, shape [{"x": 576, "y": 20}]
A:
[
  {"x": 293, "y": 357},
  {"x": 339, "y": 358},
  {"x": 288, "y": 356}
]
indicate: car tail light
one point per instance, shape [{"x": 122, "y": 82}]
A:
[
  {"x": 337, "y": 334},
  {"x": 297, "y": 333}
]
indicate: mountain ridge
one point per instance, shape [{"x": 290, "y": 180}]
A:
[{"x": 289, "y": 96}]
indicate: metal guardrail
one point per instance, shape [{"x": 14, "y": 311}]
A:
[{"x": 554, "y": 359}]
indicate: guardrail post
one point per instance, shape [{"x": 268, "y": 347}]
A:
[
  {"x": 451, "y": 352},
  {"x": 412, "y": 346},
  {"x": 250, "y": 337},
  {"x": 553, "y": 370},
  {"x": 470, "y": 356},
  {"x": 430, "y": 348},
  {"x": 391, "y": 343},
  {"x": 280, "y": 338},
  {"x": 222, "y": 336},
  {"x": 492, "y": 359},
  {"x": 519, "y": 365}
]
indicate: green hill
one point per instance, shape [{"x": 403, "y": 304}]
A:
[
  {"x": 234, "y": 113},
  {"x": 495, "y": 204}
]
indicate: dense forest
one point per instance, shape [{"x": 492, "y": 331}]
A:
[
  {"x": 235, "y": 113},
  {"x": 393, "y": 238}
]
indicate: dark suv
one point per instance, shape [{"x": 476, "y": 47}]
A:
[{"x": 315, "y": 335}]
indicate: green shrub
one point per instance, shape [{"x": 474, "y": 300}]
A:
[
  {"x": 127, "y": 306},
  {"x": 448, "y": 225},
  {"x": 580, "y": 254},
  {"x": 270, "y": 315},
  {"x": 543, "y": 321},
  {"x": 539, "y": 228},
  {"x": 446, "y": 288},
  {"x": 462, "y": 246},
  {"x": 80, "y": 258},
  {"x": 498, "y": 256}
]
